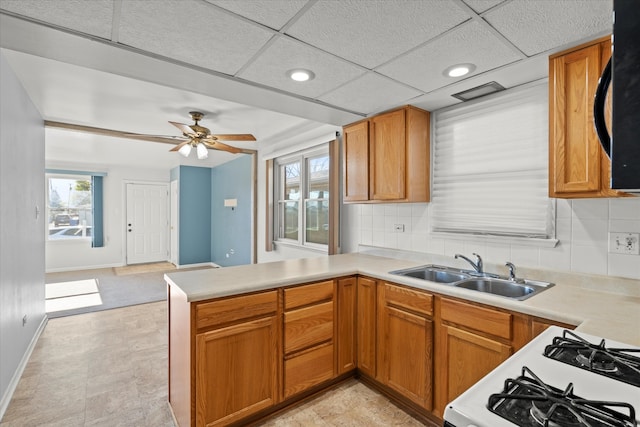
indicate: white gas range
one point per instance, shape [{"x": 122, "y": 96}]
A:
[{"x": 496, "y": 400}]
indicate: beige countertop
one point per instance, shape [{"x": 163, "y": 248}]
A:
[{"x": 598, "y": 310}]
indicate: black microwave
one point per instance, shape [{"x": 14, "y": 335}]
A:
[{"x": 623, "y": 72}]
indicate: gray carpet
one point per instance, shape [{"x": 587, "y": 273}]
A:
[{"x": 115, "y": 291}]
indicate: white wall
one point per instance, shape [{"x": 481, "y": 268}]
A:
[
  {"x": 21, "y": 229},
  {"x": 64, "y": 255},
  {"x": 582, "y": 226}
]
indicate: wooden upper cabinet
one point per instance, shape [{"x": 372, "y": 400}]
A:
[
  {"x": 578, "y": 167},
  {"x": 355, "y": 167},
  {"x": 386, "y": 158}
]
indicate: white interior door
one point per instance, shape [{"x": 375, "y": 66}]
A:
[
  {"x": 174, "y": 222},
  {"x": 147, "y": 223}
]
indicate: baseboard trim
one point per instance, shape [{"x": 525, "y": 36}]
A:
[
  {"x": 84, "y": 267},
  {"x": 199, "y": 264},
  {"x": 13, "y": 384}
]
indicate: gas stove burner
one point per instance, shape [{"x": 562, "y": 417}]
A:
[
  {"x": 560, "y": 417},
  {"x": 529, "y": 402},
  {"x": 596, "y": 360},
  {"x": 616, "y": 363}
]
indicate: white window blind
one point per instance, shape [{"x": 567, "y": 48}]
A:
[{"x": 490, "y": 166}]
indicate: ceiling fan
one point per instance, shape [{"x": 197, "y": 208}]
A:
[{"x": 202, "y": 139}]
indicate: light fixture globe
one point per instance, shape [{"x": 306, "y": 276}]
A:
[
  {"x": 202, "y": 151},
  {"x": 301, "y": 75},
  {"x": 185, "y": 150}
]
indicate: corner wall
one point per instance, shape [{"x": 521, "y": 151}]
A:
[
  {"x": 22, "y": 228},
  {"x": 195, "y": 215},
  {"x": 231, "y": 228}
]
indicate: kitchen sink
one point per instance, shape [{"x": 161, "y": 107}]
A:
[
  {"x": 515, "y": 289},
  {"x": 518, "y": 289},
  {"x": 434, "y": 273}
]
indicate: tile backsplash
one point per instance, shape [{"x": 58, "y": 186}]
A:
[{"x": 582, "y": 228}]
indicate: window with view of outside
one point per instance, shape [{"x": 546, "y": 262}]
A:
[
  {"x": 303, "y": 198},
  {"x": 69, "y": 207}
]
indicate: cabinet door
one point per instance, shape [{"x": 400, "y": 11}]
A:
[
  {"x": 355, "y": 166},
  {"x": 407, "y": 361},
  {"x": 366, "y": 326},
  {"x": 236, "y": 371},
  {"x": 578, "y": 167},
  {"x": 387, "y": 156},
  {"x": 467, "y": 358},
  {"x": 346, "y": 325}
]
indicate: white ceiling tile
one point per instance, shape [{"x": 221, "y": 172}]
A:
[
  {"x": 536, "y": 26},
  {"x": 372, "y": 32},
  {"x": 91, "y": 17},
  {"x": 370, "y": 93},
  {"x": 191, "y": 31},
  {"x": 272, "y": 13},
  {"x": 468, "y": 43},
  {"x": 285, "y": 54},
  {"x": 481, "y": 5}
]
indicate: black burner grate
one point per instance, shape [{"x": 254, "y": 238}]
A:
[
  {"x": 615, "y": 363},
  {"x": 528, "y": 402}
]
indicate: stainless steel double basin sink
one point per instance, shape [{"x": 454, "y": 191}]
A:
[{"x": 518, "y": 289}]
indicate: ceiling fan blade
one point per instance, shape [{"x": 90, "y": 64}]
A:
[
  {"x": 234, "y": 137},
  {"x": 185, "y": 129},
  {"x": 216, "y": 145},
  {"x": 179, "y": 146}
]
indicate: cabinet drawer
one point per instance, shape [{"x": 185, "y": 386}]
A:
[
  {"x": 308, "y": 326},
  {"x": 478, "y": 318},
  {"x": 237, "y": 308},
  {"x": 416, "y": 301},
  {"x": 308, "y": 369},
  {"x": 308, "y": 294}
]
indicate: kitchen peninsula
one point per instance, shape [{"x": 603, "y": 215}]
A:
[{"x": 250, "y": 340}]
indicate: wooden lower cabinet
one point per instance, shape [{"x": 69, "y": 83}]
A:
[
  {"x": 471, "y": 340},
  {"x": 405, "y": 337},
  {"x": 346, "y": 325},
  {"x": 309, "y": 341},
  {"x": 366, "y": 326},
  {"x": 236, "y": 371},
  {"x": 469, "y": 357}
]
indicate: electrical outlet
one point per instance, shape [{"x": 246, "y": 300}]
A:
[
  {"x": 624, "y": 243},
  {"x": 398, "y": 228}
]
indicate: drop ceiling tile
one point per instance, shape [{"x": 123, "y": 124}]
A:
[
  {"x": 272, "y": 13},
  {"x": 91, "y": 17},
  {"x": 481, "y": 5},
  {"x": 191, "y": 31},
  {"x": 536, "y": 26},
  {"x": 370, "y": 93},
  {"x": 372, "y": 32},
  {"x": 285, "y": 54},
  {"x": 468, "y": 43}
]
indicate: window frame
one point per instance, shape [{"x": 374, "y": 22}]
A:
[
  {"x": 96, "y": 181},
  {"x": 302, "y": 158}
]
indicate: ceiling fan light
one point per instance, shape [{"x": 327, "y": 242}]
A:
[
  {"x": 202, "y": 151},
  {"x": 185, "y": 150}
]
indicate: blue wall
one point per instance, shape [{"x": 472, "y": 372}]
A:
[
  {"x": 195, "y": 214},
  {"x": 231, "y": 229}
]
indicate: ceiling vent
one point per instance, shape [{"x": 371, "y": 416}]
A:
[{"x": 478, "y": 91}]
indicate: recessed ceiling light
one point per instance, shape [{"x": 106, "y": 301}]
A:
[
  {"x": 459, "y": 70},
  {"x": 301, "y": 75}
]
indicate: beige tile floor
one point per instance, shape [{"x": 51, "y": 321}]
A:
[{"x": 109, "y": 368}]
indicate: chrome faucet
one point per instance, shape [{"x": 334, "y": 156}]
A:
[
  {"x": 512, "y": 271},
  {"x": 477, "y": 266}
]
